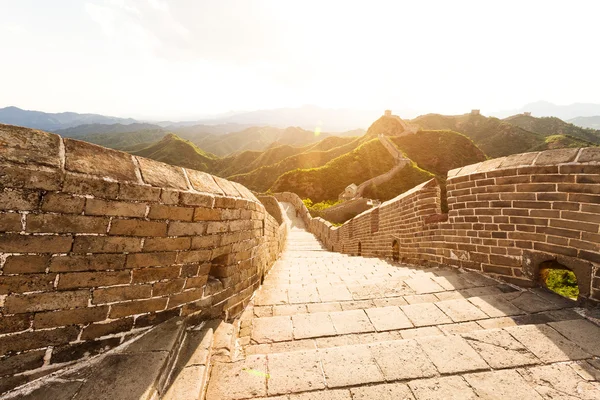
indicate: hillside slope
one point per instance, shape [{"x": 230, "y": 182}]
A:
[
  {"x": 177, "y": 151},
  {"x": 327, "y": 182},
  {"x": 548, "y": 126},
  {"x": 262, "y": 178},
  {"x": 493, "y": 136}
]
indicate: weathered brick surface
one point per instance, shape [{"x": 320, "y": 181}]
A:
[{"x": 98, "y": 243}]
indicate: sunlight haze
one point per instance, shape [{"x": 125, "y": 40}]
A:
[{"x": 187, "y": 59}]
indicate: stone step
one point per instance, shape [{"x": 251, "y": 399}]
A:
[{"x": 567, "y": 347}]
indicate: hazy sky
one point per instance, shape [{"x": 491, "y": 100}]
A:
[{"x": 188, "y": 58}]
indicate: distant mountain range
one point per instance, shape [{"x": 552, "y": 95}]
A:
[
  {"x": 546, "y": 109},
  {"x": 306, "y": 117},
  {"x": 587, "y": 122},
  {"x": 54, "y": 121}
]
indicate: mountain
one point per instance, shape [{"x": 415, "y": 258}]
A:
[
  {"x": 587, "y": 122},
  {"x": 548, "y": 126},
  {"x": 80, "y": 131},
  {"x": 546, "y": 109},
  {"x": 493, "y": 136},
  {"x": 54, "y": 121},
  {"x": 174, "y": 150}
]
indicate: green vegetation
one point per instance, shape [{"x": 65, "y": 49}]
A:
[
  {"x": 563, "y": 282},
  {"x": 405, "y": 179},
  {"x": 516, "y": 134},
  {"x": 316, "y": 209},
  {"x": 174, "y": 150},
  {"x": 554, "y": 126},
  {"x": 264, "y": 177},
  {"x": 327, "y": 182},
  {"x": 563, "y": 141},
  {"x": 439, "y": 151}
]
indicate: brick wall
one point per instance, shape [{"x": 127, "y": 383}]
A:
[
  {"x": 506, "y": 217},
  {"x": 97, "y": 245}
]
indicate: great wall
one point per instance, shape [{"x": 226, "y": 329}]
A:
[{"x": 102, "y": 250}]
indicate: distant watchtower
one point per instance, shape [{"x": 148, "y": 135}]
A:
[
  {"x": 387, "y": 113},
  {"x": 475, "y": 112},
  {"x": 527, "y": 113}
]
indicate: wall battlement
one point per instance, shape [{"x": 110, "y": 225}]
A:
[
  {"x": 97, "y": 245},
  {"x": 506, "y": 217}
]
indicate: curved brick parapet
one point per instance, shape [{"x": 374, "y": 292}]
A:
[
  {"x": 97, "y": 245},
  {"x": 507, "y": 217}
]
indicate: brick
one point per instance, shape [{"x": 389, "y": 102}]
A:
[
  {"x": 579, "y": 188},
  {"x": 227, "y": 187},
  {"x": 22, "y": 362},
  {"x": 495, "y": 269},
  {"x": 137, "y": 307},
  {"x": 169, "y": 196},
  {"x": 224, "y": 202},
  {"x": 69, "y": 317},
  {"x": 15, "y": 243},
  {"x": 121, "y": 293},
  {"x": 29, "y": 146},
  {"x": 185, "y": 297},
  {"x": 160, "y": 211},
  {"x": 30, "y": 178},
  {"x": 593, "y": 169},
  {"x": 208, "y": 214},
  {"x": 138, "y": 192},
  {"x": 580, "y": 216},
  {"x": 77, "y": 184},
  {"x": 94, "y": 331},
  {"x": 503, "y": 260},
  {"x": 151, "y": 259},
  {"x": 33, "y": 302},
  {"x": 103, "y": 244},
  {"x": 155, "y": 274},
  {"x": 56, "y": 223},
  {"x": 574, "y": 225},
  {"x": 63, "y": 203},
  {"x": 167, "y": 244},
  {"x": 132, "y": 227},
  {"x": 92, "y": 279},
  {"x": 556, "y": 156},
  {"x": 537, "y": 187},
  {"x": 190, "y": 270},
  {"x": 114, "y": 208},
  {"x": 217, "y": 227},
  {"x": 167, "y": 288},
  {"x": 98, "y": 262},
  {"x": 10, "y": 222},
  {"x": 26, "y": 283},
  {"x": 558, "y": 232},
  {"x": 590, "y": 256},
  {"x": 14, "y": 323},
  {"x": 159, "y": 174},
  {"x": 88, "y": 158},
  {"x": 26, "y": 264},
  {"x": 196, "y": 199},
  {"x": 187, "y": 228},
  {"x": 189, "y": 257},
  {"x": 203, "y": 182},
  {"x": 17, "y": 200},
  {"x": 567, "y": 251},
  {"x": 584, "y": 198},
  {"x": 589, "y": 154},
  {"x": 38, "y": 339},
  {"x": 196, "y": 282}
]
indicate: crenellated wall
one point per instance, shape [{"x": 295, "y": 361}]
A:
[
  {"x": 507, "y": 217},
  {"x": 97, "y": 245}
]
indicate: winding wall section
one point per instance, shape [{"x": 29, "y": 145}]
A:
[{"x": 506, "y": 217}]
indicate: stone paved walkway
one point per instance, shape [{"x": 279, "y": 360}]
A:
[{"x": 329, "y": 326}]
